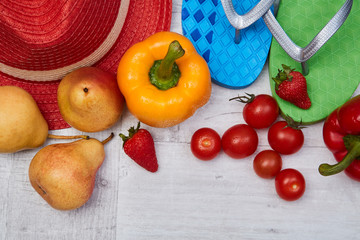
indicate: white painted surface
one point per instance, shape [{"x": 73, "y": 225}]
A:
[{"x": 187, "y": 198}]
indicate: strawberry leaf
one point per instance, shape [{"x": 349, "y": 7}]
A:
[
  {"x": 283, "y": 75},
  {"x": 131, "y": 131},
  {"x": 287, "y": 69}
]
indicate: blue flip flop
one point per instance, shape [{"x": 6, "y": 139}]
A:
[{"x": 232, "y": 65}]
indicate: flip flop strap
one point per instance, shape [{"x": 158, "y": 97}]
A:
[
  {"x": 303, "y": 54},
  {"x": 243, "y": 21}
]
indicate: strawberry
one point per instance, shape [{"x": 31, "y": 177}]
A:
[
  {"x": 291, "y": 86},
  {"x": 139, "y": 146}
]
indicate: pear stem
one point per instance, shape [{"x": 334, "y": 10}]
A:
[
  {"x": 108, "y": 139},
  {"x": 67, "y": 137}
]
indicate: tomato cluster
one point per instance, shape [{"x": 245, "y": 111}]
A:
[
  {"x": 241, "y": 141},
  {"x": 238, "y": 142}
]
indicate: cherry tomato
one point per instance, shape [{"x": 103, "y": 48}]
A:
[
  {"x": 205, "y": 144},
  {"x": 240, "y": 141},
  {"x": 267, "y": 164},
  {"x": 260, "y": 111},
  {"x": 285, "y": 139},
  {"x": 290, "y": 184}
]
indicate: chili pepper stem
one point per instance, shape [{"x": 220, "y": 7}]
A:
[
  {"x": 327, "y": 169},
  {"x": 165, "y": 74}
]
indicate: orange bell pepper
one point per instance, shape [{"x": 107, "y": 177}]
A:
[{"x": 164, "y": 80}]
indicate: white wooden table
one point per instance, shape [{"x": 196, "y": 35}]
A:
[{"x": 187, "y": 198}]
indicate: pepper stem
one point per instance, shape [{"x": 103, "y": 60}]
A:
[
  {"x": 165, "y": 73},
  {"x": 353, "y": 145},
  {"x": 175, "y": 51}
]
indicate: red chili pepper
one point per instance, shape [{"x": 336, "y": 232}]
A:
[{"x": 341, "y": 133}]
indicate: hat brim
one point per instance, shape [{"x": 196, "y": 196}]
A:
[{"x": 143, "y": 19}]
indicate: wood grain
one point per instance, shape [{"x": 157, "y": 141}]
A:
[{"x": 187, "y": 198}]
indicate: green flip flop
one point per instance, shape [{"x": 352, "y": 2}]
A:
[{"x": 333, "y": 71}]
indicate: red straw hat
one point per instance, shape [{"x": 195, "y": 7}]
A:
[{"x": 42, "y": 40}]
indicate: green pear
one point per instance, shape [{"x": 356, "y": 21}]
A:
[
  {"x": 89, "y": 99},
  {"x": 22, "y": 126},
  {"x": 64, "y": 174}
]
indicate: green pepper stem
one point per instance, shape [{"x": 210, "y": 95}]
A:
[
  {"x": 175, "y": 51},
  {"x": 165, "y": 73},
  {"x": 354, "y": 152}
]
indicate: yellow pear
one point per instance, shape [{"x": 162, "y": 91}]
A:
[
  {"x": 22, "y": 126},
  {"x": 89, "y": 99},
  {"x": 64, "y": 174}
]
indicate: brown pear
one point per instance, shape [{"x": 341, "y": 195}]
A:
[
  {"x": 22, "y": 126},
  {"x": 64, "y": 174},
  {"x": 89, "y": 99}
]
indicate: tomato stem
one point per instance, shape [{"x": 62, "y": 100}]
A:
[
  {"x": 165, "y": 73},
  {"x": 353, "y": 145},
  {"x": 292, "y": 123},
  {"x": 244, "y": 99}
]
